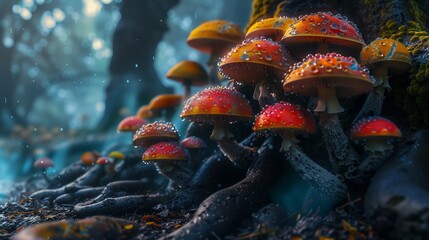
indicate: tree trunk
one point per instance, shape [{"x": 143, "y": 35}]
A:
[{"x": 133, "y": 79}]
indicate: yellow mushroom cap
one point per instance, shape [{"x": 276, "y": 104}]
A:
[
  {"x": 116, "y": 155},
  {"x": 188, "y": 72},
  {"x": 273, "y": 28}
]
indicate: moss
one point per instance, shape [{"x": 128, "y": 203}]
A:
[{"x": 415, "y": 98}]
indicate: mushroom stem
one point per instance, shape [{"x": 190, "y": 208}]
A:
[
  {"x": 325, "y": 184},
  {"x": 187, "y": 86},
  {"x": 370, "y": 164},
  {"x": 341, "y": 154},
  {"x": 45, "y": 176},
  {"x": 328, "y": 100},
  {"x": 212, "y": 64},
  {"x": 262, "y": 93},
  {"x": 238, "y": 154},
  {"x": 220, "y": 131},
  {"x": 323, "y": 47},
  {"x": 174, "y": 171},
  {"x": 377, "y": 145},
  {"x": 288, "y": 140},
  {"x": 380, "y": 74}
]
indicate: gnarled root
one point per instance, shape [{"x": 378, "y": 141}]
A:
[
  {"x": 83, "y": 194},
  {"x": 372, "y": 106},
  {"x": 174, "y": 171},
  {"x": 325, "y": 184},
  {"x": 90, "y": 178},
  {"x": 223, "y": 211},
  {"x": 122, "y": 205},
  {"x": 68, "y": 175},
  {"x": 95, "y": 228},
  {"x": 238, "y": 154}
]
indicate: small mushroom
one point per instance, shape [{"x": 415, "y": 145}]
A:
[
  {"x": 89, "y": 158},
  {"x": 152, "y": 133},
  {"x": 323, "y": 32},
  {"x": 215, "y": 37},
  {"x": 383, "y": 57},
  {"x": 260, "y": 62},
  {"x": 194, "y": 145},
  {"x": 144, "y": 112},
  {"x": 189, "y": 73},
  {"x": 219, "y": 106},
  {"x": 118, "y": 159},
  {"x": 169, "y": 159},
  {"x": 273, "y": 28},
  {"x": 131, "y": 124},
  {"x": 165, "y": 105},
  {"x": 43, "y": 164},
  {"x": 286, "y": 120}
]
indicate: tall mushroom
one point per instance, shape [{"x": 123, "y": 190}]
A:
[
  {"x": 286, "y": 120},
  {"x": 323, "y": 32},
  {"x": 215, "y": 38},
  {"x": 330, "y": 76},
  {"x": 221, "y": 106},
  {"x": 376, "y": 134},
  {"x": 273, "y": 28},
  {"x": 261, "y": 62},
  {"x": 383, "y": 57},
  {"x": 165, "y": 105},
  {"x": 189, "y": 73},
  {"x": 169, "y": 158}
]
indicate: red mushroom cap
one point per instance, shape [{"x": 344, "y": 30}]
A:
[
  {"x": 103, "y": 161},
  {"x": 255, "y": 60},
  {"x": 155, "y": 132},
  {"x": 272, "y": 28},
  {"x": 164, "y": 151},
  {"x": 43, "y": 163},
  {"x": 330, "y": 70},
  {"x": 341, "y": 35},
  {"x": 375, "y": 127},
  {"x": 284, "y": 116},
  {"x": 130, "y": 124},
  {"x": 193, "y": 142},
  {"x": 217, "y": 105}
]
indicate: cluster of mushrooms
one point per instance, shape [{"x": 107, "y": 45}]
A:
[{"x": 294, "y": 98}]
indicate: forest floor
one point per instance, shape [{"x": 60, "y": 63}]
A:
[{"x": 344, "y": 222}]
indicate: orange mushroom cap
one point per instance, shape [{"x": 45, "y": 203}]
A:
[
  {"x": 144, "y": 112},
  {"x": 155, "y": 132},
  {"x": 217, "y": 105},
  {"x": 215, "y": 35},
  {"x": 341, "y": 35},
  {"x": 130, "y": 124},
  {"x": 165, "y": 151},
  {"x": 43, "y": 163},
  {"x": 272, "y": 28},
  {"x": 386, "y": 53},
  {"x": 193, "y": 142},
  {"x": 254, "y": 60},
  {"x": 284, "y": 116},
  {"x": 375, "y": 127},
  {"x": 164, "y": 101},
  {"x": 89, "y": 158},
  {"x": 188, "y": 72},
  {"x": 330, "y": 70}
]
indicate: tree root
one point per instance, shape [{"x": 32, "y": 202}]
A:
[
  {"x": 370, "y": 164},
  {"x": 238, "y": 154},
  {"x": 68, "y": 175},
  {"x": 372, "y": 106},
  {"x": 223, "y": 211},
  {"x": 78, "y": 196}
]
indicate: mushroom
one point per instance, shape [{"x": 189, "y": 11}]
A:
[
  {"x": 194, "y": 145},
  {"x": 43, "y": 164},
  {"x": 152, "y": 133},
  {"x": 189, "y": 73},
  {"x": 323, "y": 32},
  {"x": 382, "y": 57},
  {"x": 130, "y": 124},
  {"x": 286, "y": 120},
  {"x": 329, "y": 76},
  {"x": 259, "y": 62},
  {"x": 168, "y": 158},
  {"x": 117, "y": 156},
  {"x": 89, "y": 158},
  {"x": 219, "y": 106},
  {"x": 376, "y": 133},
  {"x": 165, "y": 104},
  {"x": 144, "y": 112},
  {"x": 273, "y": 28},
  {"x": 215, "y": 38}
]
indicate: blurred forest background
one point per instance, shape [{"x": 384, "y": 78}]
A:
[{"x": 71, "y": 70}]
